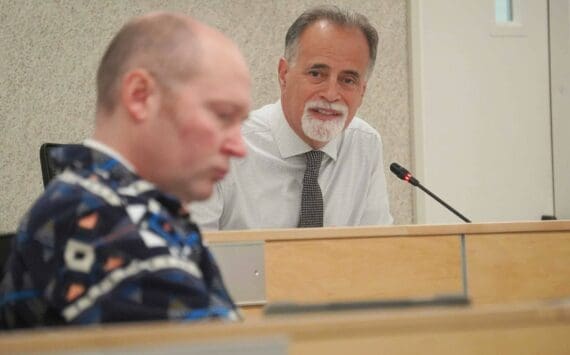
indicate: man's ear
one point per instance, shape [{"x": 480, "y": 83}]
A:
[
  {"x": 363, "y": 90},
  {"x": 282, "y": 71},
  {"x": 138, "y": 93}
]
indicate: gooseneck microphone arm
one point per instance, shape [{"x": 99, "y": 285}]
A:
[
  {"x": 457, "y": 213},
  {"x": 405, "y": 175}
]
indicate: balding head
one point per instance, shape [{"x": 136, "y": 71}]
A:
[
  {"x": 172, "y": 94},
  {"x": 161, "y": 43}
]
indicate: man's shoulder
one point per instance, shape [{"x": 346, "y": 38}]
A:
[
  {"x": 260, "y": 120},
  {"x": 359, "y": 128},
  {"x": 60, "y": 196},
  {"x": 64, "y": 205}
]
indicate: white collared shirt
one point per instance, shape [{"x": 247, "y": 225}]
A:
[{"x": 263, "y": 190}]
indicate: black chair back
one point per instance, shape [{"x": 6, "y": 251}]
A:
[
  {"x": 49, "y": 170},
  {"x": 5, "y": 247}
]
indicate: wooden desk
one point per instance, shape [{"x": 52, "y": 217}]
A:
[
  {"x": 507, "y": 262},
  {"x": 513, "y": 329}
]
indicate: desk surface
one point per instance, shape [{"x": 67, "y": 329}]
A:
[
  {"x": 387, "y": 231},
  {"x": 522, "y": 329}
]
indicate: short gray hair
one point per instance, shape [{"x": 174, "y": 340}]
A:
[{"x": 337, "y": 16}]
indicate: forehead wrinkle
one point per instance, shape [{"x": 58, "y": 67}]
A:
[{"x": 323, "y": 51}]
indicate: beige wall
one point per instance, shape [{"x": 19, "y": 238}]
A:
[
  {"x": 481, "y": 110},
  {"x": 50, "y": 51},
  {"x": 560, "y": 84}
]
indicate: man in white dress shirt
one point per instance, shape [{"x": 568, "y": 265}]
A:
[{"x": 329, "y": 56}]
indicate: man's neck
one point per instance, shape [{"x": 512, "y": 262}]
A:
[{"x": 96, "y": 144}]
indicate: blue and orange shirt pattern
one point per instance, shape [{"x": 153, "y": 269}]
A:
[{"x": 102, "y": 245}]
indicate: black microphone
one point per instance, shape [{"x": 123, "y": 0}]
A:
[{"x": 405, "y": 175}]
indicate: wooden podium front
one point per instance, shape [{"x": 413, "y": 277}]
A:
[
  {"x": 506, "y": 262},
  {"x": 517, "y": 277}
]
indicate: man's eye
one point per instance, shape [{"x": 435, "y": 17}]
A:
[
  {"x": 314, "y": 73},
  {"x": 224, "y": 117},
  {"x": 349, "y": 81}
]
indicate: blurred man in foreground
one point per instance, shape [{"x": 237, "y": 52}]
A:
[
  {"x": 110, "y": 240},
  {"x": 311, "y": 162}
]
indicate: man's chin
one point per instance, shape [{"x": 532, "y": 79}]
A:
[
  {"x": 200, "y": 193},
  {"x": 202, "y": 196},
  {"x": 320, "y": 139},
  {"x": 321, "y": 134}
]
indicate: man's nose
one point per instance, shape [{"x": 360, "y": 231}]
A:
[
  {"x": 234, "y": 145},
  {"x": 331, "y": 91}
]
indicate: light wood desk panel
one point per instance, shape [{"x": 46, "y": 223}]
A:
[
  {"x": 361, "y": 268},
  {"x": 518, "y": 267},
  {"x": 507, "y": 262},
  {"x": 513, "y": 329}
]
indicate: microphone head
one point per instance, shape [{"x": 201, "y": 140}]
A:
[
  {"x": 403, "y": 174},
  {"x": 399, "y": 170}
]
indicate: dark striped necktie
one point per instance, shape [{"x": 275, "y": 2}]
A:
[{"x": 311, "y": 214}]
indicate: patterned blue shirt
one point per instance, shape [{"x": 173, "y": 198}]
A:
[{"x": 103, "y": 245}]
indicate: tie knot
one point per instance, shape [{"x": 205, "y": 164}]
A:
[{"x": 314, "y": 157}]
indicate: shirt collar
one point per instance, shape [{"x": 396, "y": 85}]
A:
[
  {"x": 170, "y": 202},
  {"x": 103, "y": 148},
  {"x": 290, "y": 144}
]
